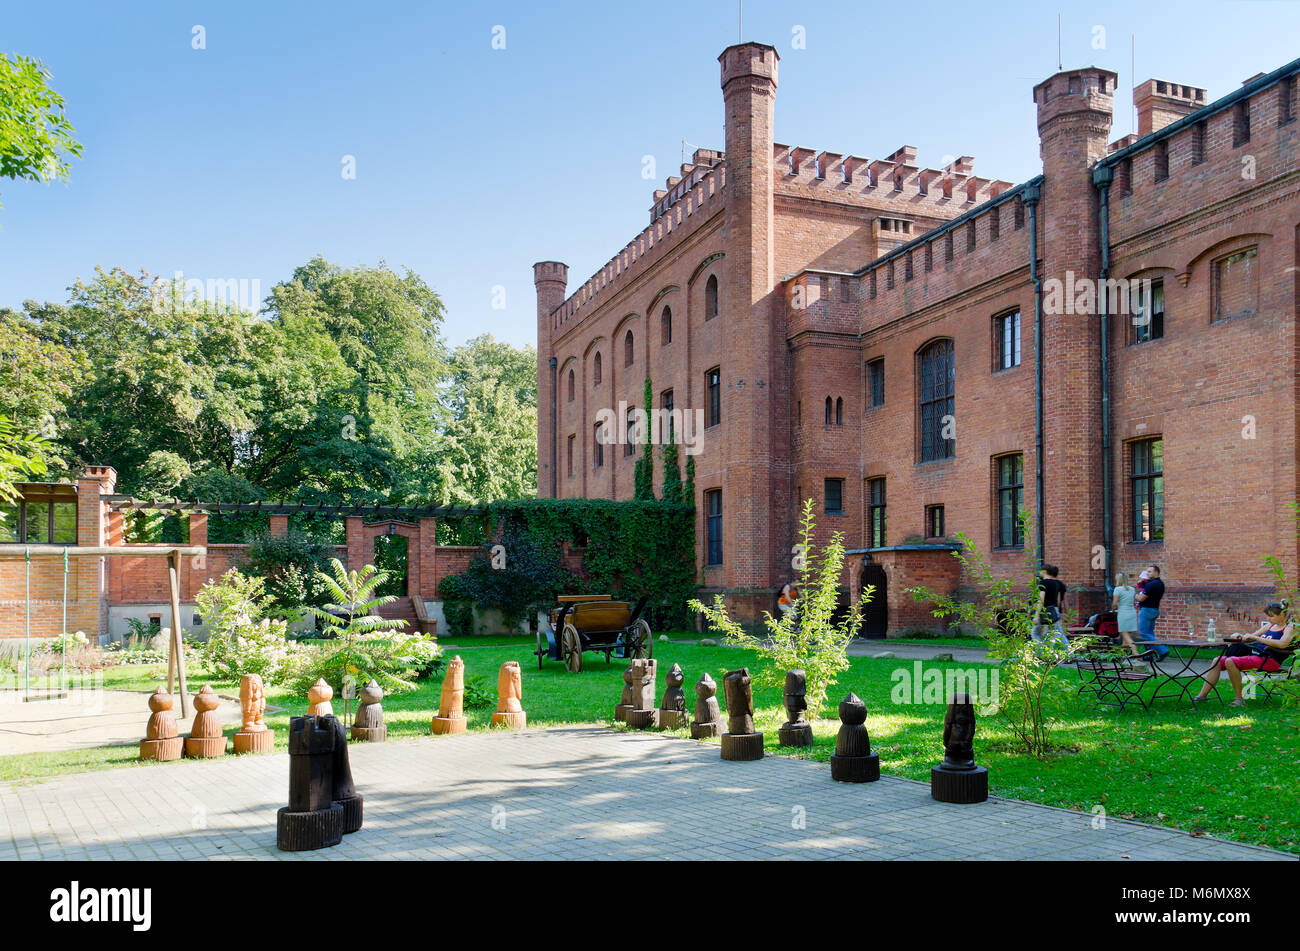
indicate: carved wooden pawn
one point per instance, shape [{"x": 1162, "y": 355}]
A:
[
  {"x": 318, "y": 699},
  {"x": 797, "y": 731},
  {"x": 741, "y": 742},
  {"x": 312, "y": 820},
  {"x": 672, "y": 709},
  {"x": 625, "y": 703},
  {"x": 708, "y": 717},
  {"x": 510, "y": 692},
  {"x": 162, "y": 741},
  {"x": 205, "y": 740},
  {"x": 644, "y": 714},
  {"x": 853, "y": 761},
  {"x": 368, "y": 727},
  {"x": 255, "y": 737},
  {"x": 451, "y": 702},
  {"x": 343, "y": 790},
  {"x": 957, "y": 779}
]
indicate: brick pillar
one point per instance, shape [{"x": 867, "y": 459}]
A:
[
  {"x": 1074, "y": 120},
  {"x": 91, "y": 579},
  {"x": 194, "y": 570},
  {"x": 279, "y": 525},
  {"x": 551, "y": 279},
  {"x": 749, "y": 78},
  {"x": 428, "y": 555},
  {"x": 356, "y": 542}
]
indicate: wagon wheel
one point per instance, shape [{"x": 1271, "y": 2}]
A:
[
  {"x": 571, "y": 649},
  {"x": 642, "y": 642}
]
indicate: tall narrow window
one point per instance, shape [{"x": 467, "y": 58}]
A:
[
  {"x": 713, "y": 394},
  {"x": 1236, "y": 284},
  {"x": 876, "y": 513},
  {"x": 629, "y": 349},
  {"x": 1148, "y": 311},
  {"x": 629, "y": 444},
  {"x": 595, "y": 369},
  {"x": 876, "y": 379},
  {"x": 667, "y": 403},
  {"x": 1285, "y": 107},
  {"x": 571, "y": 386},
  {"x": 937, "y": 377},
  {"x": 666, "y": 325},
  {"x": 1007, "y": 330},
  {"x": 845, "y": 290},
  {"x": 1148, "y": 490},
  {"x": 1011, "y": 496},
  {"x": 834, "y": 489},
  {"x": 713, "y": 506},
  {"x": 1162, "y": 160},
  {"x": 947, "y": 248},
  {"x": 569, "y": 454},
  {"x": 970, "y": 236},
  {"x": 934, "y": 526},
  {"x": 829, "y": 406},
  {"x": 839, "y": 411},
  {"x": 1198, "y": 143},
  {"x": 711, "y": 297}
]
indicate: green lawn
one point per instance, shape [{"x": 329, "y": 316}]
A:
[{"x": 1224, "y": 772}]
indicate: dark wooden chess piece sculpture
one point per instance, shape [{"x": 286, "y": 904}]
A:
[
  {"x": 312, "y": 820},
  {"x": 741, "y": 741},
  {"x": 797, "y": 731},
  {"x": 344, "y": 792},
  {"x": 853, "y": 761},
  {"x": 708, "y": 718},
  {"x": 672, "y": 709},
  {"x": 957, "y": 778},
  {"x": 643, "y": 713}
]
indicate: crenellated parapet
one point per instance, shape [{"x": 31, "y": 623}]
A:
[{"x": 702, "y": 162}]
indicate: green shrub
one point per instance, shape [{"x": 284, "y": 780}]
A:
[
  {"x": 288, "y": 564},
  {"x": 241, "y": 639}
]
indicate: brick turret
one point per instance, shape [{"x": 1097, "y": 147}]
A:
[
  {"x": 1075, "y": 110},
  {"x": 551, "y": 279}
]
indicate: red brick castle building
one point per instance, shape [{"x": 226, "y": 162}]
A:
[{"x": 1110, "y": 345}]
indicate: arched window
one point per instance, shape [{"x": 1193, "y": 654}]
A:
[
  {"x": 571, "y": 386},
  {"x": 711, "y": 297},
  {"x": 839, "y": 411},
  {"x": 666, "y": 325},
  {"x": 828, "y": 411},
  {"x": 936, "y": 376},
  {"x": 595, "y": 369},
  {"x": 629, "y": 350}
]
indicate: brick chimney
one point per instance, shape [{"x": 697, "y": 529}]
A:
[{"x": 1161, "y": 103}]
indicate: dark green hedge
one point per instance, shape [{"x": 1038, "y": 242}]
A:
[{"x": 629, "y": 549}]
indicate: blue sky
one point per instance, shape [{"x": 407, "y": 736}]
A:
[{"x": 472, "y": 163}]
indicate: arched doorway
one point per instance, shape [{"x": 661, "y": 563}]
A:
[{"x": 392, "y": 554}]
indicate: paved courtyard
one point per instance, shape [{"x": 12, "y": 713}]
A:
[{"x": 570, "y": 793}]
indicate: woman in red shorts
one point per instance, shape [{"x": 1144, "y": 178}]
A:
[{"x": 1262, "y": 650}]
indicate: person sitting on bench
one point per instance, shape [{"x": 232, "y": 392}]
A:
[{"x": 1262, "y": 650}]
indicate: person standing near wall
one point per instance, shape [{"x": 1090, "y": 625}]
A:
[
  {"x": 1148, "y": 601},
  {"x": 1051, "y": 600}
]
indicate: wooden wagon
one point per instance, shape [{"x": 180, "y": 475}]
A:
[{"x": 593, "y": 622}]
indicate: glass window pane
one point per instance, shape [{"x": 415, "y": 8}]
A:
[
  {"x": 65, "y": 523},
  {"x": 38, "y": 523},
  {"x": 8, "y": 522}
]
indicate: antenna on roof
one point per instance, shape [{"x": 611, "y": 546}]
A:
[
  {"x": 740, "y": 26},
  {"x": 1060, "y": 63},
  {"x": 1132, "y": 75}
]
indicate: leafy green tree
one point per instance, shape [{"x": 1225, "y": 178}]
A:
[
  {"x": 22, "y": 457},
  {"x": 35, "y": 375},
  {"x": 35, "y": 134},
  {"x": 808, "y": 638}
]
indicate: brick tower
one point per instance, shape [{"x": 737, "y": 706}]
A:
[
  {"x": 753, "y": 321},
  {"x": 551, "y": 279},
  {"x": 1074, "y": 119}
]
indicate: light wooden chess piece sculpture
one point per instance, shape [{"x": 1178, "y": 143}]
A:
[
  {"x": 369, "y": 724},
  {"x": 254, "y": 737},
  {"x": 741, "y": 741},
  {"x": 708, "y": 717},
  {"x": 625, "y": 701},
  {"x": 205, "y": 740},
  {"x": 643, "y": 714},
  {"x": 451, "y": 703},
  {"x": 672, "y": 709},
  {"x": 161, "y": 741},
  {"x": 318, "y": 699},
  {"x": 510, "y": 710}
]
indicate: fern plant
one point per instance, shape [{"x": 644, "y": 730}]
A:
[
  {"x": 362, "y": 644},
  {"x": 807, "y": 638}
]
